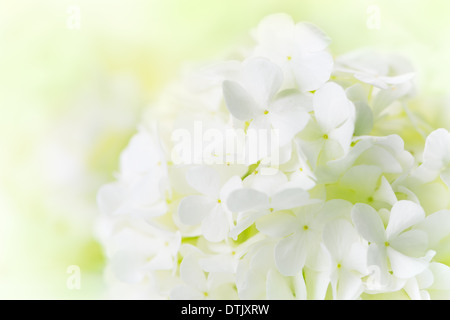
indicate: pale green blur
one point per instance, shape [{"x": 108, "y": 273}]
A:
[{"x": 70, "y": 100}]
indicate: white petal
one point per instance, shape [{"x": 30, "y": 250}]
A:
[
  {"x": 363, "y": 118},
  {"x": 437, "y": 226},
  {"x": 290, "y": 255},
  {"x": 356, "y": 258},
  {"x": 144, "y": 198},
  {"x": 312, "y": 70},
  {"x": 234, "y": 183},
  {"x": 217, "y": 264},
  {"x": 268, "y": 184},
  {"x": 300, "y": 287},
  {"x": 426, "y": 278},
  {"x": 302, "y": 180},
  {"x": 162, "y": 261},
  {"x": 385, "y": 193},
  {"x": 374, "y": 80},
  {"x": 244, "y": 221},
  {"x": 193, "y": 209},
  {"x": 288, "y": 121},
  {"x": 368, "y": 223},
  {"x": 437, "y": 149},
  {"x": 250, "y": 283},
  {"x": 362, "y": 179},
  {"x": 335, "y": 209},
  {"x": 364, "y": 61},
  {"x": 312, "y": 150},
  {"x": 318, "y": 258},
  {"x": 377, "y": 267},
  {"x": 292, "y": 99},
  {"x": 205, "y": 180},
  {"x": 277, "y": 286},
  {"x": 316, "y": 283},
  {"x": 289, "y": 198},
  {"x": 331, "y": 106},
  {"x": 274, "y": 26},
  {"x": 404, "y": 214},
  {"x": 386, "y": 97},
  {"x": 445, "y": 176},
  {"x": 311, "y": 38},
  {"x": 403, "y": 266},
  {"x": 412, "y": 289},
  {"x": 238, "y": 101},
  {"x": 383, "y": 158},
  {"x": 215, "y": 226},
  {"x": 441, "y": 273},
  {"x": 277, "y": 224},
  {"x": 399, "y": 79},
  {"x": 192, "y": 274},
  {"x": 350, "y": 286},
  {"x": 184, "y": 292},
  {"x": 128, "y": 266},
  {"x": 344, "y": 134},
  {"x": 262, "y": 79},
  {"x": 413, "y": 243},
  {"x": 110, "y": 197},
  {"x": 247, "y": 199},
  {"x": 259, "y": 139},
  {"x": 225, "y": 291},
  {"x": 338, "y": 237},
  {"x": 140, "y": 156}
]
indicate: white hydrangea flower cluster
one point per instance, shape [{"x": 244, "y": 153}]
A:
[{"x": 339, "y": 213}]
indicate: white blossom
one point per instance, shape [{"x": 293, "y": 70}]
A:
[
  {"x": 342, "y": 212},
  {"x": 299, "y": 49},
  {"x": 394, "y": 248}
]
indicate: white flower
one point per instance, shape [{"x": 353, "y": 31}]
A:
[
  {"x": 254, "y": 99},
  {"x": 433, "y": 282},
  {"x": 300, "y": 232},
  {"x": 394, "y": 248},
  {"x": 437, "y": 227},
  {"x": 329, "y": 136},
  {"x": 209, "y": 207},
  {"x": 139, "y": 249},
  {"x": 390, "y": 77},
  {"x": 300, "y": 172},
  {"x": 265, "y": 194},
  {"x": 364, "y": 117},
  {"x": 330, "y": 211},
  {"x": 348, "y": 259},
  {"x": 198, "y": 284},
  {"x": 202, "y": 88},
  {"x": 141, "y": 189},
  {"x": 436, "y": 157},
  {"x": 299, "y": 49},
  {"x": 384, "y": 154},
  {"x": 258, "y": 278},
  {"x": 374, "y": 68}
]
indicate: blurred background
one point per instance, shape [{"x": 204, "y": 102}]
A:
[{"x": 76, "y": 76}]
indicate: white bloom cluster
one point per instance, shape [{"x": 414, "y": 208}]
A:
[{"x": 339, "y": 213}]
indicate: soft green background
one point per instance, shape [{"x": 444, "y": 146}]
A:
[{"x": 70, "y": 100}]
